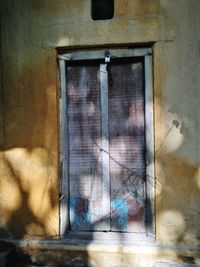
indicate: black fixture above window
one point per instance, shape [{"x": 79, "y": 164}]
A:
[{"x": 102, "y": 9}]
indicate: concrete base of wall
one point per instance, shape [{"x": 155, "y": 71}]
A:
[
  {"x": 166, "y": 264},
  {"x": 62, "y": 253}
]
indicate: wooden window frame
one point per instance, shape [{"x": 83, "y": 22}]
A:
[{"x": 99, "y": 54}]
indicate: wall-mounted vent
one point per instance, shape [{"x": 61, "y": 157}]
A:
[{"x": 102, "y": 9}]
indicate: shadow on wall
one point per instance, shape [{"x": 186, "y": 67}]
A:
[
  {"x": 178, "y": 193},
  {"x": 28, "y": 154}
]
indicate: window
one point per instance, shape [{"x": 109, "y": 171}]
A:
[
  {"x": 106, "y": 141},
  {"x": 102, "y": 9}
]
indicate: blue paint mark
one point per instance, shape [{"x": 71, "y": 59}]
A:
[
  {"x": 119, "y": 208},
  {"x": 84, "y": 211},
  {"x": 124, "y": 211},
  {"x": 79, "y": 215}
]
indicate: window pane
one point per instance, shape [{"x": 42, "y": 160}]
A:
[
  {"x": 127, "y": 160},
  {"x": 84, "y": 137}
]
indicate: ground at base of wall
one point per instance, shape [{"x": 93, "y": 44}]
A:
[
  {"x": 164, "y": 264},
  {"x": 167, "y": 264},
  {"x": 62, "y": 254}
]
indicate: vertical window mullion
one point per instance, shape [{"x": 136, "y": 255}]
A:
[
  {"x": 149, "y": 145},
  {"x": 105, "y": 144},
  {"x": 64, "y": 218}
]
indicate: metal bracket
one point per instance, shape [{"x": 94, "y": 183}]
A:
[{"x": 107, "y": 56}]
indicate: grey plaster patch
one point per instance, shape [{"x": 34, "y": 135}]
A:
[{"x": 167, "y": 264}]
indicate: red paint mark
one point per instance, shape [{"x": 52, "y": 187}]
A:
[
  {"x": 135, "y": 212},
  {"x": 82, "y": 205}
]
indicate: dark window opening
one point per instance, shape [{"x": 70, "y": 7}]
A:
[{"x": 102, "y": 9}]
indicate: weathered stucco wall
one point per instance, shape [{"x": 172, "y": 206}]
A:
[{"x": 29, "y": 146}]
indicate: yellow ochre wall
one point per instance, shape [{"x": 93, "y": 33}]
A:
[{"x": 29, "y": 111}]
